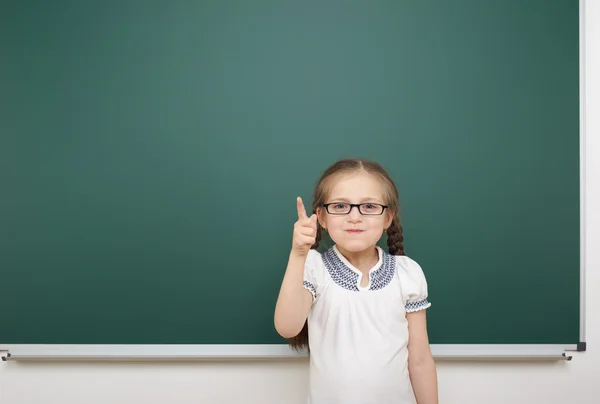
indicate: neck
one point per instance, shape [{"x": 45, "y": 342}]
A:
[{"x": 362, "y": 260}]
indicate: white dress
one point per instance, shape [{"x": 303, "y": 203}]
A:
[{"x": 358, "y": 335}]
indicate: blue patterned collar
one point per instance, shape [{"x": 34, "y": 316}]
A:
[{"x": 348, "y": 277}]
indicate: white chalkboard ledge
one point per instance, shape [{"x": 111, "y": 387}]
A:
[{"x": 41, "y": 352}]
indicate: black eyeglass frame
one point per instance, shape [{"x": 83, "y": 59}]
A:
[{"x": 352, "y": 205}]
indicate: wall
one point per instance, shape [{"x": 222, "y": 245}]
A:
[{"x": 279, "y": 382}]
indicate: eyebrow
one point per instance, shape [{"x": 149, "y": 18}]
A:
[{"x": 363, "y": 200}]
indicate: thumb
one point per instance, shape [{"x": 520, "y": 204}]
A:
[{"x": 313, "y": 220}]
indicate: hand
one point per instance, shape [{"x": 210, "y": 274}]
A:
[{"x": 305, "y": 230}]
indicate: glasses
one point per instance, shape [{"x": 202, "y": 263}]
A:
[{"x": 343, "y": 208}]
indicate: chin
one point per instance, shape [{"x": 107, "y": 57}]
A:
[{"x": 355, "y": 245}]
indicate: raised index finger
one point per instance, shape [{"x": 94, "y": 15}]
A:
[{"x": 301, "y": 209}]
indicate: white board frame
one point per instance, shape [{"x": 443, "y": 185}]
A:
[{"x": 9, "y": 352}]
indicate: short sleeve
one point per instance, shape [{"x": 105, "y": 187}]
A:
[
  {"x": 413, "y": 284},
  {"x": 312, "y": 276}
]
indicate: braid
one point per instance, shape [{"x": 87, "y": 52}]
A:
[
  {"x": 300, "y": 341},
  {"x": 317, "y": 237},
  {"x": 395, "y": 237}
]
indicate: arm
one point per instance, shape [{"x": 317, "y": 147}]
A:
[
  {"x": 294, "y": 301},
  {"x": 421, "y": 366}
]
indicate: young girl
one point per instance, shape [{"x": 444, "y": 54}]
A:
[{"x": 359, "y": 309}]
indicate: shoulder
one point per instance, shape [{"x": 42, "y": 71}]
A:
[
  {"x": 314, "y": 258},
  {"x": 408, "y": 267},
  {"x": 314, "y": 266},
  {"x": 314, "y": 272},
  {"x": 413, "y": 283}
]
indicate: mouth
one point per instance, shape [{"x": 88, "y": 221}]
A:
[{"x": 354, "y": 231}]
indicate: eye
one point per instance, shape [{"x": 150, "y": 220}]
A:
[
  {"x": 371, "y": 208},
  {"x": 338, "y": 207}
]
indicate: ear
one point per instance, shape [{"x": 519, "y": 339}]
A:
[
  {"x": 321, "y": 218},
  {"x": 388, "y": 221}
]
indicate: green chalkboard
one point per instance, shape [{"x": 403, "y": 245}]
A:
[{"x": 151, "y": 153}]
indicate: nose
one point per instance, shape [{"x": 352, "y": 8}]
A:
[{"x": 354, "y": 215}]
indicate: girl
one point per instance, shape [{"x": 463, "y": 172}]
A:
[{"x": 359, "y": 309}]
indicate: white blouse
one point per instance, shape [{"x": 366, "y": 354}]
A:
[{"x": 358, "y": 335}]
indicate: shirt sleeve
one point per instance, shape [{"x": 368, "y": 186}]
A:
[
  {"x": 413, "y": 283},
  {"x": 311, "y": 273}
]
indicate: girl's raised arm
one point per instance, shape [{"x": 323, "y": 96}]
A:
[{"x": 294, "y": 301}]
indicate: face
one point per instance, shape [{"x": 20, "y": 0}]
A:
[{"x": 355, "y": 232}]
